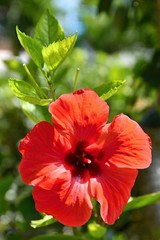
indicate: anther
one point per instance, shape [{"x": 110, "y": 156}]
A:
[{"x": 87, "y": 160}]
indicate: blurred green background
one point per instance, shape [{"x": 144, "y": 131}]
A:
[{"x": 117, "y": 40}]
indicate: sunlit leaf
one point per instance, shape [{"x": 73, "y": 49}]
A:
[
  {"x": 46, "y": 220},
  {"x": 26, "y": 92},
  {"x": 48, "y": 30},
  {"x": 96, "y": 230},
  {"x": 56, "y": 52},
  {"x": 142, "y": 201},
  {"x": 108, "y": 90},
  {"x": 32, "y": 46},
  {"x": 35, "y": 112}
]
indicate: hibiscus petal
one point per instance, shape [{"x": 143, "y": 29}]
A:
[
  {"x": 81, "y": 114},
  {"x": 68, "y": 201},
  {"x": 43, "y": 153},
  {"x": 123, "y": 144},
  {"x": 112, "y": 190}
]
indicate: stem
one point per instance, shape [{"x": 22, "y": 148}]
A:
[
  {"x": 76, "y": 79},
  {"x": 52, "y": 90},
  {"x": 50, "y": 84},
  {"x": 39, "y": 92}
]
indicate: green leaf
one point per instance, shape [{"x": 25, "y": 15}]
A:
[
  {"x": 32, "y": 46},
  {"x": 26, "y": 92},
  {"x": 96, "y": 230},
  {"x": 142, "y": 201},
  {"x": 56, "y": 52},
  {"x": 48, "y": 30},
  {"x": 56, "y": 237},
  {"x": 5, "y": 183},
  {"x": 35, "y": 112},
  {"x": 110, "y": 89},
  {"x": 25, "y": 204},
  {"x": 46, "y": 220},
  {"x": 13, "y": 236}
]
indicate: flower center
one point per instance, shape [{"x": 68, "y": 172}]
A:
[{"x": 82, "y": 161}]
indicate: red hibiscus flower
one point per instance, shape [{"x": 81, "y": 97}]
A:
[{"x": 80, "y": 157}]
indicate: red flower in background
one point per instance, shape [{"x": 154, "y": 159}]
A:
[{"x": 80, "y": 157}]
